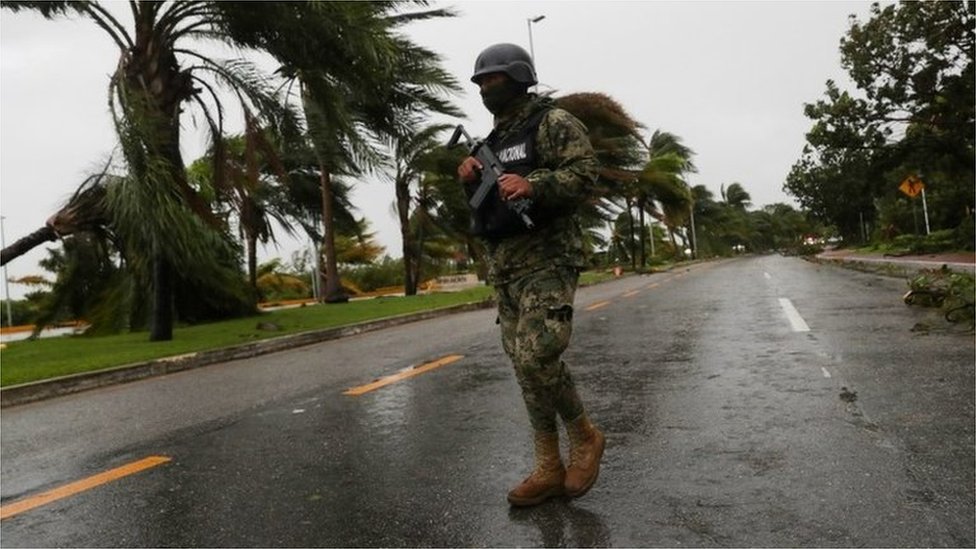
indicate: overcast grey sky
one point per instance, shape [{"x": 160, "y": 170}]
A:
[{"x": 729, "y": 78}]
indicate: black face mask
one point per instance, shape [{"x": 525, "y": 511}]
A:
[{"x": 500, "y": 96}]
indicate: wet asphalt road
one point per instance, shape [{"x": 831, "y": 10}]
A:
[{"x": 730, "y": 422}]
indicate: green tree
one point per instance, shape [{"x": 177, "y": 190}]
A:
[
  {"x": 615, "y": 137},
  {"x": 86, "y": 273},
  {"x": 662, "y": 180},
  {"x": 411, "y": 154},
  {"x": 736, "y": 196},
  {"x": 83, "y": 212},
  {"x": 162, "y": 222},
  {"x": 246, "y": 177},
  {"x": 912, "y": 63},
  {"x": 372, "y": 84},
  {"x": 442, "y": 212}
]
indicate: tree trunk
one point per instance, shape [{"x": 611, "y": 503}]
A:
[
  {"x": 161, "y": 321},
  {"x": 422, "y": 221},
  {"x": 161, "y": 324},
  {"x": 333, "y": 292},
  {"x": 28, "y": 243},
  {"x": 252, "y": 263},
  {"x": 643, "y": 254},
  {"x": 630, "y": 219},
  {"x": 403, "y": 213},
  {"x": 418, "y": 263}
]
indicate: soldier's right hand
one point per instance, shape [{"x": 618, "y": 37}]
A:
[{"x": 468, "y": 170}]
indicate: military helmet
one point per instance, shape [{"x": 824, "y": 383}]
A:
[{"x": 507, "y": 58}]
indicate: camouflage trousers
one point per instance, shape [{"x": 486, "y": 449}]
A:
[{"x": 535, "y": 312}]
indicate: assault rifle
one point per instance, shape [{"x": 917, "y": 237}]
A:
[{"x": 492, "y": 169}]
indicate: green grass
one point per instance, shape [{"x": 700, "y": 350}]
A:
[{"x": 25, "y": 361}]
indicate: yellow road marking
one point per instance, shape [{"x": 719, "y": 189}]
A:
[
  {"x": 73, "y": 488},
  {"x": 654, "y": 285},
  {"x": 597, "y": 305},
  {"x": 631, "y": 293},
  {"x": 401, "y": 375}
]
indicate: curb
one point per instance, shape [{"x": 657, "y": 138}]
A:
[
  {"x": 889, "y": 267},
  {"x": 75, "y": 383}
]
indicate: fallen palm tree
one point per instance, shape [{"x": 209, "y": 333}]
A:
[{"x": 84, "y": 211}]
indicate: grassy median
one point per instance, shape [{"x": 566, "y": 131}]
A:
[{"x": 24, "y": 361}]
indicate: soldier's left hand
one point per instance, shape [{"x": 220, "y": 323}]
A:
[{"x": 513, "y": 187}]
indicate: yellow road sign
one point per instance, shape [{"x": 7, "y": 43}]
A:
[{"x": 911, "y": 186}]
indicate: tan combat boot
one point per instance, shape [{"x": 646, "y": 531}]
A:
[
  {"x": 586, "y": 444},
  {"x": 546, "y": 480}
]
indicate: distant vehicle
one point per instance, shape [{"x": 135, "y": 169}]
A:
[{"x": 813, "y": 240}]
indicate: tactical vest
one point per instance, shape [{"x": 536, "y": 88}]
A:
[{"x": 494, "y": 220}]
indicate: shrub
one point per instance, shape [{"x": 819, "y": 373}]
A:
[{"x": 379, "y": 274}]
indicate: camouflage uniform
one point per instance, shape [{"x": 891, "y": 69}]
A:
[{"x": 535, "y": 273}]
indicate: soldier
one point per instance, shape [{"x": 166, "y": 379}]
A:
[{"x": 548, "y": 159}]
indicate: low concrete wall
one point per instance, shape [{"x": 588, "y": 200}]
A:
[{"x": 456, "y": 283}]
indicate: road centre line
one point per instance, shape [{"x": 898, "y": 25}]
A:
[
  {"x": 597, "y": 305},
  {"x": 82, "y": 485},
  {"x": 826, "y": 372},
  {"x": 631, "y": 293},
  {"x": 796, "y": 321},
  {"x": 401, "y": 375}
]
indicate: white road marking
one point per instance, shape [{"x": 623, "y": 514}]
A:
[
  {"x": 826, "y": 372},
  {"x": 796, "y": 321},
  {"x": 767, "y": 275}
]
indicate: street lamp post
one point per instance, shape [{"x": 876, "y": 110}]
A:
[
  {"x": 529, "y": 22},
  {"x": 6, "y": 284}
]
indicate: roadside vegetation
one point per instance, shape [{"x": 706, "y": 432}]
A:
[
  {"x": 25, "y": 361},
  {"x": 948, "y": 240},
  {"x": 152, "y": 246},
  {"x": 953, "y": 293},
  {"x": 911, "y": 115},
  {"x": 32, "y": 360}
]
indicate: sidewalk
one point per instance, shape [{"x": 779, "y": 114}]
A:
[{"x": 906, "y": 265}]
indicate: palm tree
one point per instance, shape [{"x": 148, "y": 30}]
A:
[
  {"x": 442, "y": 213},
  {"x": 410, "y": 154},
  {"x": 165, "y": 225},
  {"x": 615, "y": 137},
  {"x": 370, "y": 85},
  {"x": 84, "y": 211},
  {"x": 662, "y": 180},
  {"x": 247, "y": 174},
  {"x": 616, "y": 140},
  {"x": 736, "y": 196}
]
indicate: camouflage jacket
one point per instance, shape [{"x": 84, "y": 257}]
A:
[{"x": 561, "y": 183}]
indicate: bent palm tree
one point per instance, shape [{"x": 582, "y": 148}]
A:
[
  {"x": 163, "y": 224},
  {"x": 736, "y": 196},
  {"x": 616, "y": 141},
  {"x": 662, "y": 180},
  {"x": 84, "y": 211},
  {"x": 252, "y": 183},
  {"x": 370, "y": 85}
]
